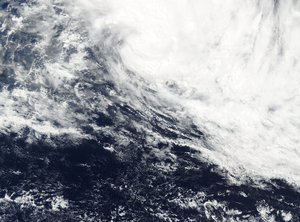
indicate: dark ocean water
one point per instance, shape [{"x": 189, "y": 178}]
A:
[{"x": 101, "y": 177}]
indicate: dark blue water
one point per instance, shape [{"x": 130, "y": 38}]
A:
[{"x": 126, "y": 184}]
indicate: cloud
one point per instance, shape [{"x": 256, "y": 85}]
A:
[{"x": 233, "y": 67}]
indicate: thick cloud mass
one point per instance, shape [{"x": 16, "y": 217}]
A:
[{"x": 232, "y": 66}]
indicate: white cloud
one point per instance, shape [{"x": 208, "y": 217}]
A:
[{"x": 233, "y": 65}]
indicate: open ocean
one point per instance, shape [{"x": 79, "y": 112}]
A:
[{"x": 149, "y": 110}]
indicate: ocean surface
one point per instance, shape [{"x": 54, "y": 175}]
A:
[{"x": 149, "y": 110}]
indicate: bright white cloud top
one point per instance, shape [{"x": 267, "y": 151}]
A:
[{"x": 232, "y": 65}]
